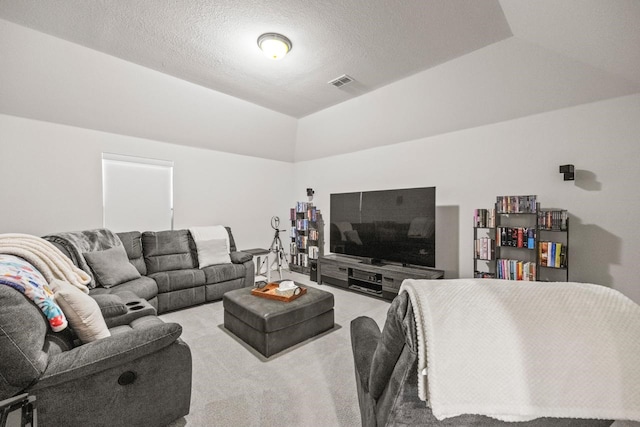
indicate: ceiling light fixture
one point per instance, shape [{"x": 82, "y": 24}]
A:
[{"x": 274, "y": 45}]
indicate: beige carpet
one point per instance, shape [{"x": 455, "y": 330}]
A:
[{"x": 310, "y": 384}]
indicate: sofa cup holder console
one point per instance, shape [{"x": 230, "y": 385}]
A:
[
  {"x": 135, "y": 308},
  {"x": 134, "y": 305}
]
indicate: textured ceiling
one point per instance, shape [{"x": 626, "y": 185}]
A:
[
  {"x": 437, "y": 66},
  {"x": 213, "y": 43}
]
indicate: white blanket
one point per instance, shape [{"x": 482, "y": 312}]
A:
[
  {"x": 212, "y": 245},
  {"x": 44, "y": 256},
  {"x": 212, "y": 232},
  {"x": 516, "y": 351}
]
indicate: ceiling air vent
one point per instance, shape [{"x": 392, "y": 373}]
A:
[{"x": 341, "y": 81}]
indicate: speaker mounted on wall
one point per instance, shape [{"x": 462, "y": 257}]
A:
[{"x": 568, "y": 171}]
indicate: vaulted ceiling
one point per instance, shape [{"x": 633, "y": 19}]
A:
[
  {"x": 213, "y": 43},
  {"x": 376, "y": 42}
]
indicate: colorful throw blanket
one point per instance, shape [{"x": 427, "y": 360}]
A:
[
  {"x": 45, "y": 257},
  {"x": 517, "y": 351},
  {"x": 79, "y": 242},
  {"x": 23, "y": 277}
]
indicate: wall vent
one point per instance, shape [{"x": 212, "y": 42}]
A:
[{"x": 341, "y": 81}]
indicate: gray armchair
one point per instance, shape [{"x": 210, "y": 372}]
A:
[
  {"x": 386, "y": 377},
  {"x": 139, "y": 376}
]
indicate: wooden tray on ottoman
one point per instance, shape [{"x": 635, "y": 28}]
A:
[{"x": 269, "y": 292}]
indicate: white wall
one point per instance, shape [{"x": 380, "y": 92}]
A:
[
  {"x": 506, "y": 80},
  {"x": 52, "y": 181},
  {"x": 471, "y": 167}
]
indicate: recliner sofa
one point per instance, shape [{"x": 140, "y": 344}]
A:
[
  {"x": 138, "y": 376},
  {"x": 167, "y": 262},
  {"x": 386, "y": 364}
]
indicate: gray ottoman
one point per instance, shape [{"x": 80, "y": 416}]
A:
[{"x": 271, "y": 326}]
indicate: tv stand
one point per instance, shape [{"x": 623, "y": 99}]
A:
[{"x": 382, "y": 280}]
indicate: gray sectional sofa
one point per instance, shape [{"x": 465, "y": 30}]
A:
[
  {"x": 169, "y": 277},
  {"x": 140, "y": 373}
]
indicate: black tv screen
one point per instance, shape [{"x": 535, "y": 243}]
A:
[{"x": 387, "y": 225}]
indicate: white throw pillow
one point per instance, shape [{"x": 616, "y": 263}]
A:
[
  {"x": 82, "y": 311},
  {"x": 212, "y": 252}
]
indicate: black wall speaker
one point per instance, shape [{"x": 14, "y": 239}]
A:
[{"x": 568, "y": 171}]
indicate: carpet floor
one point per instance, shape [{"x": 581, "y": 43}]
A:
[{"x": 310, "y": 384}]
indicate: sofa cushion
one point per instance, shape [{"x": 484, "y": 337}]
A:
[
  {"x": 223, "y": 272},
  {"x": 166, "y": 251},
  {"x": 132, "y": 242},
  {"x": 110, "y": 305},
  {"x": 398, "y": 331},
  {"x": 212, "y": 252},
  {"x": 22, "y": 359},
  {"x": 82, "y": 311},
  {"x": 169, "y": 281},
  {"x": 144, "y": 287},
  {"x": 240, "y": 257},
  {"x": 232, "y": 242},
  {"x": 111, "y": 266},
  {"x": 78, "y": 242}
]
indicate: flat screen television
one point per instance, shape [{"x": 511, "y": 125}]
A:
[{"x": 387, "y": 225}]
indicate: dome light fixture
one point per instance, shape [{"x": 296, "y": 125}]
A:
[{"x": 274, "y": 45}]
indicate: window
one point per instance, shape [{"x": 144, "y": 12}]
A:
[{"x": 137, "y": 193}]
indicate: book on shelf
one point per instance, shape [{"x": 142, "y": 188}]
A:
[
  {"x": 553, "y": 219},
  {"x": 301, "y": 260},
  {"x": 514, "y": 269},
  {"x": 485, "y": 248},
  {"x": 301, "y": 241},
  {"x": 517, "y": 204},
  {"x": 484, "y": 218},
  {"x": 312, "y": 214},
  {"x": 313, "y": 252},
  {"x": 552, "y": 254},
  {"x": 484, "y": 275},
  {"x": 302, "y": 207},
  {"x": 517, "y": 237},
  {"x": 531, "y": 238}
]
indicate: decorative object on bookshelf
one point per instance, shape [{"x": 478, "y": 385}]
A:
[
  {"x": 306, "y": 237},
  {"x": 517, "y": 240},
  {"x": 568, "y": 171}
]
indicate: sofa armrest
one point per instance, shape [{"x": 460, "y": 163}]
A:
[
  {"x": 365, "y": 335},
  {"x": 108, "y": 352},
  {"x": 239, "y": 257}
]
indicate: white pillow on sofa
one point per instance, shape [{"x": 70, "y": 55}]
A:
[
  {"x": 211, "y": 252},
  {"x": 82, "y": 311}
]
